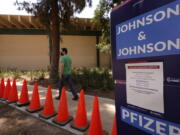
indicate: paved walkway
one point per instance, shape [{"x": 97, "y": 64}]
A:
[
  {"x": 107, "y": 107},
  {"x": 15, "y": 122}
]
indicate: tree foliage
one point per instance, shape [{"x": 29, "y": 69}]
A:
[
  {"x": 43, "y": 9},
  {"x": 102, "y": 20}
]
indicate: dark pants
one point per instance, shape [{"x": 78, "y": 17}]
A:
[{"x": 67, "y": 79}]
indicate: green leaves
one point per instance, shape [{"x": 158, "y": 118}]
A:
[
  {"x": 42, "y": 9},
  {"x": 104, "y": 47},
  {"x": 93, "y": 78},
  {"x": 102, "y": 20}
]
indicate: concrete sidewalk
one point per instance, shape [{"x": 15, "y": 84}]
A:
[{"x": 107, "y": 107}]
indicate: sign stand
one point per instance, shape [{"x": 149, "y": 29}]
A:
[{"x": 145, "y": 39}]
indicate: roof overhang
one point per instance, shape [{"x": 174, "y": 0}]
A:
[{"x": 20, "y": 24}]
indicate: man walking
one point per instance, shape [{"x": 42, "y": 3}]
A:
[{"x": 65, "y": 69}]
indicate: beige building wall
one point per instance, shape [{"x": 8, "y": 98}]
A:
[
  {"x": 24, "y": 51},
  {"x": 82, "y": 49},
  {"x": 105, "y": 60},
  {"x": 32, "y": 51}
]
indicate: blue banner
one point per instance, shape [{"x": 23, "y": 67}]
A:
[
  {"x": 155, "y": 33},
  {"x": 151, "y": 125}
]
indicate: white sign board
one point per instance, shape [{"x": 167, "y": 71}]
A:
[{"x": 145, "y": 85}]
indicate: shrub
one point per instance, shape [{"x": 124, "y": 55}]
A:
[
  {"x": 93, "y": 78},
  {"x": 96, "y": 78},
  {"x": 16, "y": 74},
  {"x": 10, "y": 73}
]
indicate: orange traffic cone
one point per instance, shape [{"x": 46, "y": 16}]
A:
[
  {"x": 63, "y": 115},
  {"x": 2, "y": 88},
  {"x": 95, "y": 125},
  {"x": 24, "y": 97},
  {"x": 114, "y": 129},
  {"x": 35, "y": 101},
  {"x": 48, "y": 110},
  {"x": 80, "y": 122},
  {"x": 6, "y": 90},
  {"x": 13, "y": 94}
]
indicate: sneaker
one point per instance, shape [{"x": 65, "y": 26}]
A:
[
  {"x": 57, "y": 98},
  {"x": 75, "y": 98}
]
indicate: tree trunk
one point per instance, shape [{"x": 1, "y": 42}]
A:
[
  {"x": 50, "y": 47},
  {"x": 54, "y": 65}
]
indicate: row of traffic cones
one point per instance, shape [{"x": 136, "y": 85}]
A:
[
  {"x": 80, "y": 122},
  {"x": 8, "y": 92}
]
